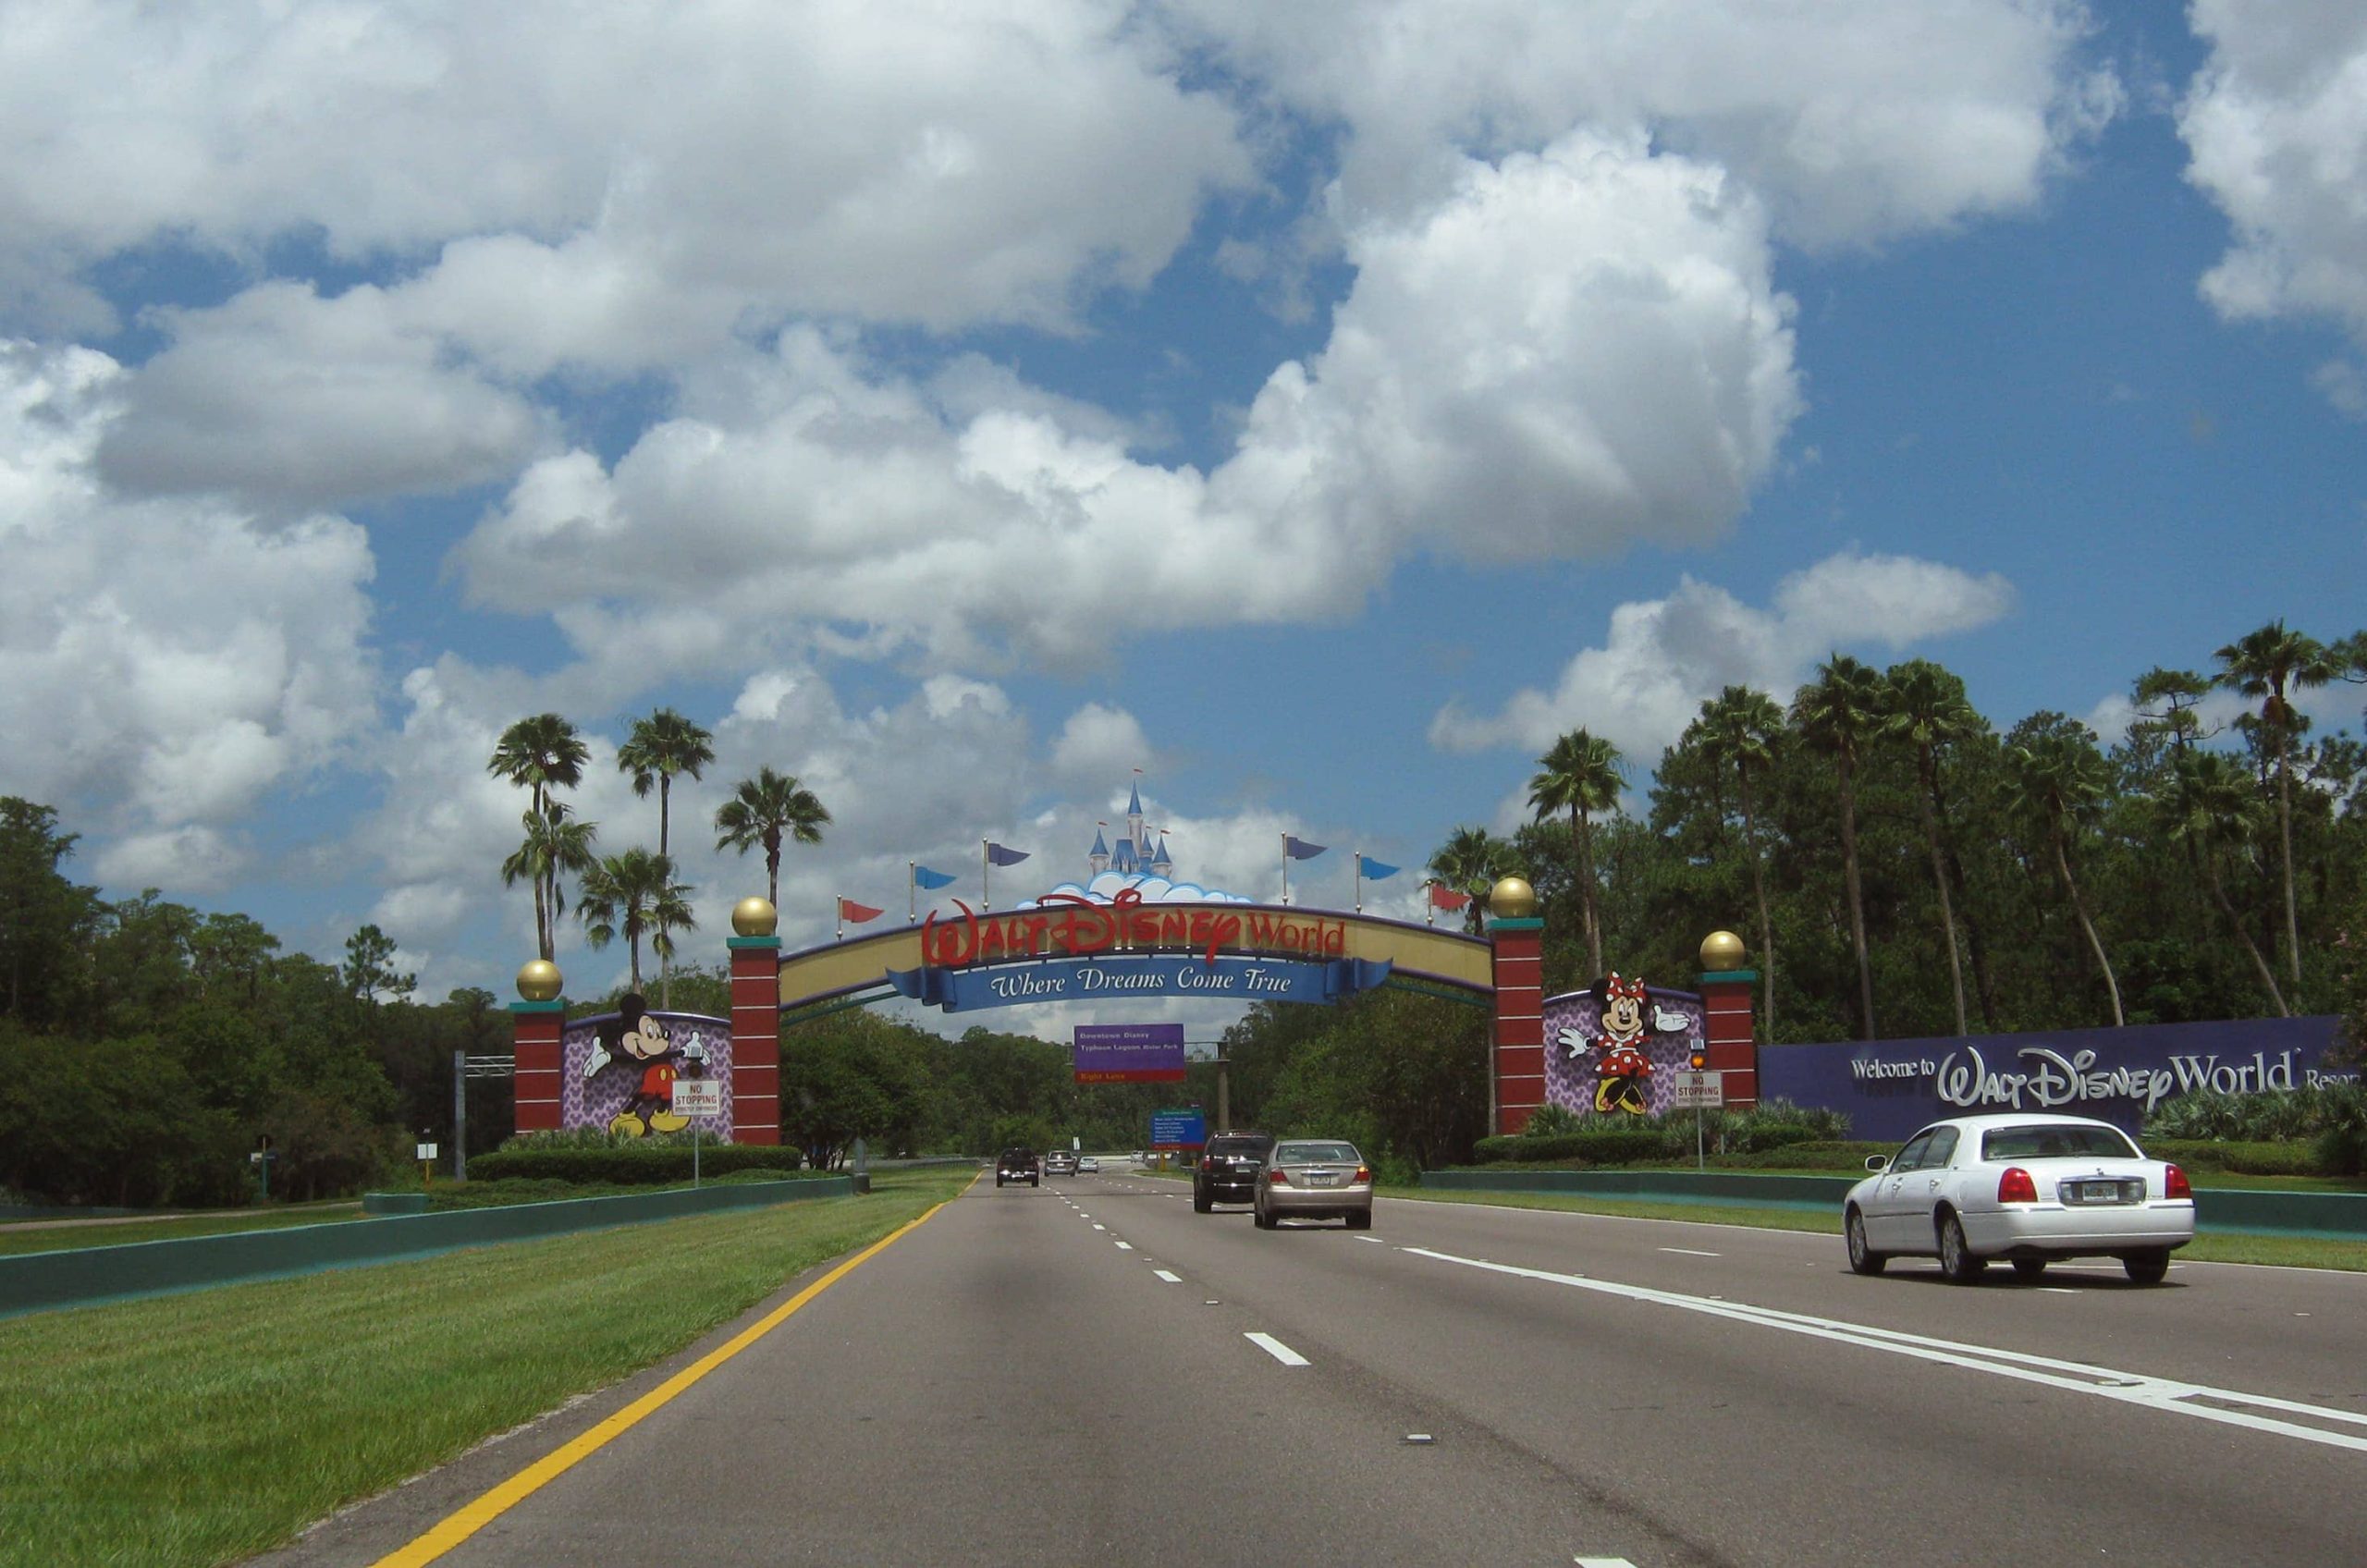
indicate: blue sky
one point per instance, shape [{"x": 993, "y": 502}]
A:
[{"x": 1318, "y": 407}]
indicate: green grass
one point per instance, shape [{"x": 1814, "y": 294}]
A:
[
  {"x": 206, "y": 1428},
  {"x": 59, "y": 1238}
]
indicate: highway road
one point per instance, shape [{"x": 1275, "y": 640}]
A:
[{"x": 1090, "y": 1372}]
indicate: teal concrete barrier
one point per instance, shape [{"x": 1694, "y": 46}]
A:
[
  {"x": 86, "y": 1276},
  {"x": 2335, "y": 1215}
]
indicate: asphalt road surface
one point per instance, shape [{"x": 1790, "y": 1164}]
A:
[{"x": 1089, "y": 1373}]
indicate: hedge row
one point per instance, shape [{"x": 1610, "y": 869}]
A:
[
  {"x": 2240, "y": 1158},
  {"x": 631, "y": 1165}
]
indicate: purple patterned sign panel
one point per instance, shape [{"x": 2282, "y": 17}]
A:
[
  {"x": 1889, "y": 1088},
  {"x": 617, "y": 1071},
  {"x": 1613, "y": 1048}
]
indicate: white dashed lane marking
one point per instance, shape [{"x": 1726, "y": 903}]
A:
[
  {"x": 1170, "y": 1279},
  {"x": 1690, "y": 1252},
  {"x": 1278, "y": 1350},
  {"x": 1125, "y": 1246}
]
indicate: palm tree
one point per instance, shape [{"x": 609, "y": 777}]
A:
[
  {"x": 763, "y": 809},
  {"x": 2060, "y": 779},
  {"x": 1837, "y": 714},
  {"x": 2267, "y": 663},
  {"x": 661, "y": 746},
  {"x": 632, "y": 893},
  {"x": 2211, "y": 806},
  {"x": 1928, "y": 710},
  {"x": 1472, "y": 861},
  {"x": 1581, "y": 776},
  {"x": 553, "y": 846},
  {"x": 1740, "y": 726},
  {"x": 545, "y": 753}
]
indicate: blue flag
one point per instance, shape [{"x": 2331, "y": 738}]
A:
[
  {"x": 1367, "y": 866},
  {"x": 932, "y": 880},
  {"x": 997, "y": 855},
  {"x": 1300, "y": 849}
]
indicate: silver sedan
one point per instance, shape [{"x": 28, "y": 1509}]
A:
[
  {"x": 2028, "y": 1189},
  {"x": 1314, "y": 1179}
]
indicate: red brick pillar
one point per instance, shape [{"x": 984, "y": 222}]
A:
[
  {"x": 755, "y": 1023},
  {"x": 534, "y": 1026},
  {"x": 1729, "y": 1032},
  {"x": 1518, "y": 939}
]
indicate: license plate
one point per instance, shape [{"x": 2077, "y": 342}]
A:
[
  {"x": 1322, "y": 1178},
  {"x": 2095, "y": 1193}
]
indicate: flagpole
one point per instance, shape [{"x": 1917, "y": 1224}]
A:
[
  {"x": 986, "y": 880},
  {"x": 1360, "y": 879},
  {"x": 1429, "y": 904},
  {"x": 842, "y": 921},
  {"x": 1287, "y": 871},
  {"x": 912, "y": 891}
]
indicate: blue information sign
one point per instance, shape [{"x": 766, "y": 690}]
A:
[
  {"x": 1125, "y": 976},
  {"x": 1177, "y": 1129}
]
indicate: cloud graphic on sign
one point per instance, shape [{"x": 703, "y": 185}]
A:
[{"x": 1104, "y": 888}]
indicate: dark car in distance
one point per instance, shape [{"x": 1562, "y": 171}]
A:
[
  {"x": 1017, "y": 1165},
  {"x": 1229, "y": 1169}
]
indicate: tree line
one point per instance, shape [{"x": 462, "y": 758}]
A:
[{"x": 1899, "y": 867}]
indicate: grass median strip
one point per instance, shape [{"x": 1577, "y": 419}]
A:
[{"x": 201, "y": 1428}]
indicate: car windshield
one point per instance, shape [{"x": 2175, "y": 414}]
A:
[
  {"x": 2088, "y": 1142},
  {"x": 1314, "y": 1154}
]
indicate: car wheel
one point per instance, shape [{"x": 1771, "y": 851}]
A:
[
  {"x": 1034, "y": 1183},
  {"x": 1956, "y": 1259},
  {"x": 2029, "y": 1269},
  {"x": 2147, "y": 1267},
  {"x": 1863, "y": 1259},
  {"x": 998, "y": 1180},
  {"x": 1200, "y": 1200},
  {"x": 1265, "y": 1221},
  {"x": 1358, "y": 1219}
]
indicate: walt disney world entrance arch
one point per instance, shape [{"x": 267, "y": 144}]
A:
[{"x": 1614, "y": 1048}]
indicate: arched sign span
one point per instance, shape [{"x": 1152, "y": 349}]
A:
[
  {"x": 1069, "y": 948},
  {"x": 1074, "y": 949}
]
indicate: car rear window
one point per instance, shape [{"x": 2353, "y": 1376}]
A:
[
  {"x": 2058, "y": 1143},
  {"x": 1254, "y": 1147},
  {"x": 1314, "y": 1154}
]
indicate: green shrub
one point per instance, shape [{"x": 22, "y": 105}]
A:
[
  {"x": 1554, "y": 1121},
  {"x": 2341, "y": 1146},
  {"x": 632, "y": 1162},
  {"x": 2237, "y": 1157},
  {"x": 1816, "y": 1154},
  {"x": 1610, "y": 1145}
]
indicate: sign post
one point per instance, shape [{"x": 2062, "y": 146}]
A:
[
  {"x": 1185, "y": 1129},
  {"x": 427, "y": 1164},
  {"x": 1702, "y": 1091},
  {"x": 694, "y": 1097}
]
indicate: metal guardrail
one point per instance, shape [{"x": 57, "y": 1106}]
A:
[
  {"x": 41, "y": 1281},
  {"x": 2333, "y": 1215}
]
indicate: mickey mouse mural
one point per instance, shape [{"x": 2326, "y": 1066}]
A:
[
  {"x": 1610, "y": 1033},
  {"x": 633, "y": 1038}
]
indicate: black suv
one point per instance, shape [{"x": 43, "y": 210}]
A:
[
  {"x": 1017, "y": 1165},
  {"x": 1229, "y": 1169}
]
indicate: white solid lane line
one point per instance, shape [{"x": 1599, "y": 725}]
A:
[
  {"x": 2200, "y": 1401},
  {"x": 1278, "y": 1350},
  {"x": 1693, "y": 1252},
  {"x": 1170, "y": 1279}
]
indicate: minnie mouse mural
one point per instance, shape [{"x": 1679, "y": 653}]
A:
[{"x": 1629, "y": 1021}]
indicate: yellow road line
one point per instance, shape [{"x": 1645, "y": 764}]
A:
[{"x": 459, "y": 1527}]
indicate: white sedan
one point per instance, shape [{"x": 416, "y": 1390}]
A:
[
  {"x": 2025, "y": 1188},
  {"x": 1087, "y": 1166}
]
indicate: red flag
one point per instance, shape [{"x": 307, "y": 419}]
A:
[
  {"x": 850, "y": 909},
  {"x": 1444, "y": 897}
]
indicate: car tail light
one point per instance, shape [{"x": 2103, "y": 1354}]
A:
[
  {"x": 1278, "y": 1177},
  {"x": 2179, "y": 1186},
  {"x": 1363, "y": 1173},
  {"x": 1208, "y": 1162},
  {"x": 2016, "y": 1186}
]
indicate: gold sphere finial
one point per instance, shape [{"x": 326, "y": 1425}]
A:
[
  {"x": 753, "y": 916},
  {"x": 1722, "y": 950},
  {"x": 539, "y": 981},
  {"x": 1512, "y": 898}
]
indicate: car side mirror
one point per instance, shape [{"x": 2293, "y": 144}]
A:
[{"x": 1878, "y": 1163}]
